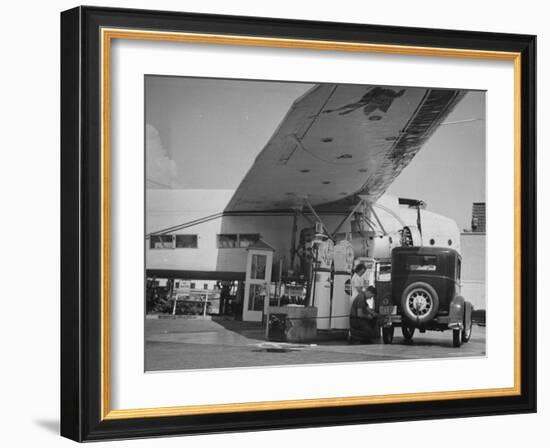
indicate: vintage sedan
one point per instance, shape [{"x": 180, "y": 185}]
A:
[{"x": 425, "y": 294}]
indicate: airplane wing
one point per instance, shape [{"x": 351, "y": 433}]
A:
[{"x": 339, "y": 141}]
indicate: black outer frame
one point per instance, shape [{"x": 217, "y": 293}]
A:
[{"x": 80, "y": 223}]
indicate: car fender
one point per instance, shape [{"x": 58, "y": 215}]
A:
[{"x": 456, "y": 313}]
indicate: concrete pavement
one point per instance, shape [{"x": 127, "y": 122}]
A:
[{"x": 181, "y": 344}]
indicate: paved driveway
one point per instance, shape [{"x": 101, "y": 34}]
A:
[{"x": 181, "y": 344}]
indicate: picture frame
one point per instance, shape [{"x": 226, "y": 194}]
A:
[{"x": 86, "y": 209}]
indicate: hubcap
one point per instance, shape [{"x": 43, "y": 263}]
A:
[{"x": 419, "y": 302}]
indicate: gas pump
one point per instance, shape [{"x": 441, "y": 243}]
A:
[
  {"x": 323, "y": 250},
  {"x": 341, "y": 292}
]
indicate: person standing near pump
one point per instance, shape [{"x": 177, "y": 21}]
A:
[{"x": 357, "y": 281}]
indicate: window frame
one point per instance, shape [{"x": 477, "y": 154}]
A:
[
  {"x": 240, "y": 235},
  {"x": 188, "y": 235},
  {"x": 236, "y": 235},
  {"x": 237, "y": 240},
  {"x": 151, "y": 247}
]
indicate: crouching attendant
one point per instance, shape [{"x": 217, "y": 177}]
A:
[{"x": 363, "y": 319}]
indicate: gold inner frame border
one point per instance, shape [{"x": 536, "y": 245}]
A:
[{"x": 107, "y": 35}]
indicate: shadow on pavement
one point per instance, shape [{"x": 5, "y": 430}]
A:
[{"x": 240, "y": 327}]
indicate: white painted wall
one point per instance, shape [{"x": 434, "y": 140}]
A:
[
  {"x": 167, "y": 208},
  {"x": 474, "y": 269}
]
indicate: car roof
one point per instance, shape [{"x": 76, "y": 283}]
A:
[{"x": 426, "y": 250}]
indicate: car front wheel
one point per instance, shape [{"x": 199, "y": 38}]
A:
[
  {"x": 457, "y": 338},
  {"x": 467, "y": 331}
]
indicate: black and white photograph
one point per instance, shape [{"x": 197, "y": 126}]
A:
[{"x": 291, "y": 223}]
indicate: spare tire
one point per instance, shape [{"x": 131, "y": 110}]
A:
[{"x": 419, "y": 302}]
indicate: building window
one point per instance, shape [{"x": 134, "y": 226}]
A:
[
  {"x": 248, "y": 239},
  {"x": 192, "y": 285},
  {"x": 227, "y": 241},
  {"x": 233, "y": 240},
  {"x": 186, "y": 241},
  {"x": 206, "y": 286},
  {"x": 257, "y": 269},
  {"x": 161, "y": 242}
]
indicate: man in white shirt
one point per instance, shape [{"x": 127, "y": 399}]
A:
[{"x": 357, "y": 281}]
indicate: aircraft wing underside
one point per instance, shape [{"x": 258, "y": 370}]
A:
[{"x": 339, "y": 141}]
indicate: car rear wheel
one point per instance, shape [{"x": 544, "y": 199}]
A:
[
  {"x": 467, "y": 331},
  {"x": 457, "y": 338},
  {"x": 387, "y": 335},
  {"x": 408, "y": 332},
  {"x": 419, "y": 302}
]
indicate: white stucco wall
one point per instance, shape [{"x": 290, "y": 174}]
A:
[
  {"x": 167, "y": 208},
  {"x": 474, "y": 268}
]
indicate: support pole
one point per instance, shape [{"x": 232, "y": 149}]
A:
[
  {"x": 319, "y": 220},
  {"x": 350, "y": 214},
  {"x": 377, "y": 219},
  {"x": 369, "y": 223},
  {"x": 418, "y": 219},
  {"x": 171, "y": 293},
  {"x": 293, "y": 240},
  {"x": 307, "y": 218}
]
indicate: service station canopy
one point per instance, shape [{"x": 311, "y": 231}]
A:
[{"x": 341, "y": 141}]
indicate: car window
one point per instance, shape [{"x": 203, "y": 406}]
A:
[{"x": 424, "y": 263}]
